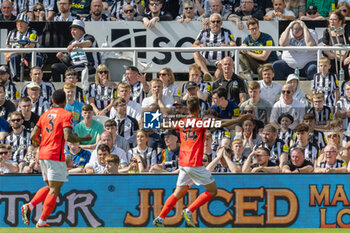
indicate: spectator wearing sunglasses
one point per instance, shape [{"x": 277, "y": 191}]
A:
[
  {"x": 188, "y": 14},
  {"x": 344, "y": 8},
  {"x": 334, "y": 138},
  {"x": 287, "y": 105},
  {"x": 39, "y": 12},
  {"x": 262, "y": 106},
  {"x": 155, "y": 14},
  {"x": 312, "y": 14},
  {"x": 129, "y": 13},
  {"x": 331, "y": 162}
]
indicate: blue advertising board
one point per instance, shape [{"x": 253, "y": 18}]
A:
[{"x": 243, "y": 200}]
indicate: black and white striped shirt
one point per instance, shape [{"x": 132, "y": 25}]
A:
[
  {"x": 40, "y": 106},
  {"x": 137, "y": 93},
  {"x": 20, "y": 144},
  {"x": 326, "y": 114},
  {"x": 46, "y": 91},
  {"x": 148, "y": 155},
  {"x": 327, "y": 85},
  {"x": 276, "y": 150},
  {"x": 318, "y": 138},
  {"x": 338, "y": 164},
  {"x": 12, "y": 92},
  {"x": 127, "y": 128},
  {"x": 14, "y": 36},
  {"x": 103, "y": 18},
  {"x": 344, "y": 105},
  {"x": 211, "y": 40},
  {"x": 48, "y": 4},
  {"x": 217, "y": 136},
  {"x": 79, "y": 95},
  {"x": 311, "y": 151},
  {"x": 286, "y": 136},
  {"x": 103, "y": 95},
  {"x": 80, "y": 58},
  {"x": 71, "y": 17}
]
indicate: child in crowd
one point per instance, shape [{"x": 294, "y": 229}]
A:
[
  {"x": 80, "y": 157},
  {"x": 322, "y": 113},
  {"x": 112, "y": 164},
  {"x": 285, "y": 133},
  {"x": 326, "y": 82},
  {"x": 238, "y": 156}
]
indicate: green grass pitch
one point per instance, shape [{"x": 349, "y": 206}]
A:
[{"x": 169, "y": 230}]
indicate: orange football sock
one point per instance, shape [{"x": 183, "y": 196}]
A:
[
  {"x": 39, "y": 196},
  {"x": 48, "y": 207},
  {"x": 168, "y": 205},
  {"x": 200, "y": 200}
]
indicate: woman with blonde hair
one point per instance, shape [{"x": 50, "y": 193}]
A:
[
  {"x": 144, "y": 155},
  {"x": 102, "y": 92},
  {"x": 344, "y": 8},
  {"x": 170, "y": 89}
]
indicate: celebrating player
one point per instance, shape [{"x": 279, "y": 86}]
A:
[
  {"x": 191, "y": 166},
  {"x": 55, "y": 127}
]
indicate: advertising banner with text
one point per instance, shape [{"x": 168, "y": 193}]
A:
[{"x": 263, "y": 200}]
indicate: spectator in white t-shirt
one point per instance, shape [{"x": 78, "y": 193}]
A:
[
  {"x": 279, "y": 12},
  {"x": 165, "y": 102},
  {"x": 269, "y": 89}
]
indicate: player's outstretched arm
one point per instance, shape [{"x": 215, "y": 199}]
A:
[
  {"x": 35, "y": 136},
  {"x": 70, "y": 136},
  {"x": 230, "y": 122}
]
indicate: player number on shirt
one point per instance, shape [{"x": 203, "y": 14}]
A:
[
  {"x": 190, "y": 134},
  {"x": 51, "y": 124}
]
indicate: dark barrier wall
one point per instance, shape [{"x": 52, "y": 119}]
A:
[{"x": 297, "y": 201}]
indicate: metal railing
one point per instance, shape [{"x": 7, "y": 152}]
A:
[{"x": 135, "y": 50}]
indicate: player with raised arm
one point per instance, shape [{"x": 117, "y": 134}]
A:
[
  {"x": 54, "y": 127},
  {"x": 191, "y": 166}
]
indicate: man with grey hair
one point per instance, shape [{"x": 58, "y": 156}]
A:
[
  {"x": 297, "y": 34},
  {"x": 215, "y": 36}
]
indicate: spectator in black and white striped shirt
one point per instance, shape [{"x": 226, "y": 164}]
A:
[
  {"x": 342, "y": 108},
  {"x": 331, "y": 164},
  {"x": 138, "y": 84},
  {"x": 323, "y": 113},
  {"x": 215, "y": 36},
  {"x": 65, "y": 15},
  {"x": 39, "y": 103},
  {"x": 19, "y": 138},
  {"x": 6, "y": 106},
  {"x": 47, "y": 88}
]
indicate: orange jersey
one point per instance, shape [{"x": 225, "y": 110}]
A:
[
  {"x": 52, "y": 142},
  {"x": 192, "y": 144}
]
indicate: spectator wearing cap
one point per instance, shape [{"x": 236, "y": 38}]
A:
[
  {"x": 262, "y": 164},
  {"x": 96, "y": 14},
  {"x": 204, "y": 88},
  {"x": 287, "y": 105},
  {"x": 297, "y": 34},
  {"x": 299, "y": 95},
  {"x": 65, "y": 14},
  {"x": 6, "y": 106},
  {"x": 155, "y": 14},
  {"x": 311, "y": 150},
  {"x": 297, "y": 162},
  {"x": 6, "y": 11},
  {"x": 312, "y": 14},
  {"x": 168, "y": 158},
  {"x": 323, "y": 7},
  {"x": 12, "y": 92},
  {"x": 285, "y": 133},
  {"x": 192, "y": 90},
  {"x": 279, "y": 12},
  {"x": 74, "y": 59},
  {"x": 47, "y": 88},
  {"x": 138, "y": 83},
  {"x": 331, "y": 164},
  {"x": 263, "y": 107},
  {"x": 39, "y": 103},
  {"x": 22, "y": 34}
]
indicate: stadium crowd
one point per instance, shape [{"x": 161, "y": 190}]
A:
[{"x": 288, "y": 131}]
